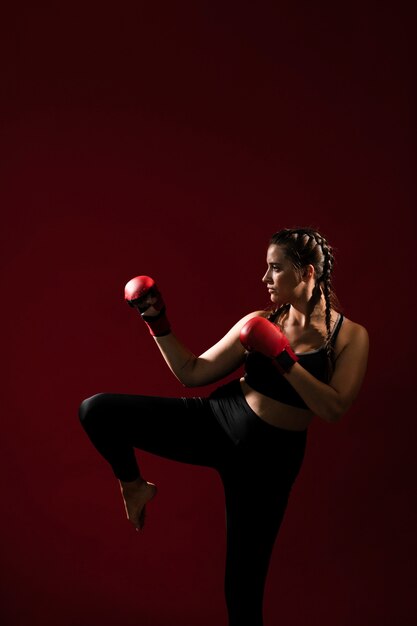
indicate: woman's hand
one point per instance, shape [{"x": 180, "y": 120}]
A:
[
  {"x": 143, "y": 294},
  {"x": 263, "y": 336}
]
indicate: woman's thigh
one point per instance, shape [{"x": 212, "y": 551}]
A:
[{"x": 181, "y": 429}]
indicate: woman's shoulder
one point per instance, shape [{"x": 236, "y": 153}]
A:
[
  {"x": 258, "y": 313},
  {"x": 353, "y": 327},
  {"x": 352, "y": 332}
]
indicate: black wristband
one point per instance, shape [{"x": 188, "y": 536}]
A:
[
  {"x": 285, "y": 361},
  {"x": 158, "y": 325}
]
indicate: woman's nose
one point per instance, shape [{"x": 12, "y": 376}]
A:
[{"x": 266, "y": 278}]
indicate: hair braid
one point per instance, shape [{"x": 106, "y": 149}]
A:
[
  {"x": 277, "y": 315},
  {"x": 327, "y": 290}
]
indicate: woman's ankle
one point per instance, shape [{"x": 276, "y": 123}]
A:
[{"x": 127, "y": 485}]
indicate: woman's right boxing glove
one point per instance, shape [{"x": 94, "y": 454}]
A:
[
  {"x": 263, "y": 336},
  {"x": 142, "y": 293}
]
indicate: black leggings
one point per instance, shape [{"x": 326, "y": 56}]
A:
[{"x": 256, "y": 461}]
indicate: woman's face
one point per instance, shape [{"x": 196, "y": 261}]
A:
[{"x": 281, "y": 278}]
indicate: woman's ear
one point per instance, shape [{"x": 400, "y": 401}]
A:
[{"x": 307, "y": 273}]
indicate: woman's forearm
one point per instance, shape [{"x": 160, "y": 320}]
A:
[
  {"x": 321, "y": 398},
  {"x": 221, "y": 359},
  {"x": 179, "y": 359}
]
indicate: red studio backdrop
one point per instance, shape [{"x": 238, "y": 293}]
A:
[{"x": 172, "y": 140}]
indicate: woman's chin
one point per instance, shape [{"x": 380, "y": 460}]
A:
[{"x": 276, "y": 300}]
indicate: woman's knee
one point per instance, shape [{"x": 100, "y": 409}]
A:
[{"x": 90, "y": 406}]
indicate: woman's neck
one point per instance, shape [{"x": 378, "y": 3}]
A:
[{"x": 307, "y": 313}]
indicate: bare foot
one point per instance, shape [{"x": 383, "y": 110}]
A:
[{"x": 135, "y": 496}]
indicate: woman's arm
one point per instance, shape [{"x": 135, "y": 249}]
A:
[
  {"x": 214, "y": 364},
  {"x": 221, "y": 359},
  {"x": 330, "y": 401}
]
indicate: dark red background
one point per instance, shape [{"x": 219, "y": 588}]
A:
[{"x": 173, "y": 140}]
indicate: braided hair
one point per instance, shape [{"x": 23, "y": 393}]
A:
[{"x": 306, "y": 246}]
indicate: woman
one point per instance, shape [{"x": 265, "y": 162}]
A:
[{"x": 302, "y": 358}]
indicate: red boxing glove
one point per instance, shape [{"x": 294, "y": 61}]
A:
[
  {"x": 263, "y": 336},
  {"x": 141, "y": 293}
]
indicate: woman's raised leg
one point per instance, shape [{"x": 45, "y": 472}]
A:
[{"x": 181, "y": 429}]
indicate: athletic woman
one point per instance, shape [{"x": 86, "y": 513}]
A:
[{"x": 302, "y": 358}]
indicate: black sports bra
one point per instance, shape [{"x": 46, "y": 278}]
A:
[{"x": 263, "y": 376}]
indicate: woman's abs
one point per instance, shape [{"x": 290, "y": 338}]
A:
[{"x": 274, "y": 412}]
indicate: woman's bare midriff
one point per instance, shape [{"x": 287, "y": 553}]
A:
[{"x": 274, "y": 412}]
